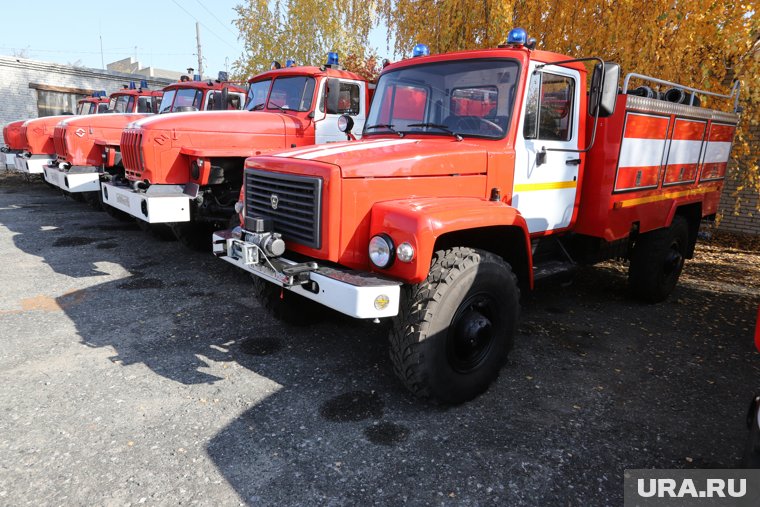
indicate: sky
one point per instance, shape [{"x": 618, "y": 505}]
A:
[{"x": 159, "y": 33}]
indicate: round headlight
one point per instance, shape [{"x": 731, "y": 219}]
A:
[
  {"x": 405, "y": 252},
  {"x": 381, "y": 250}
]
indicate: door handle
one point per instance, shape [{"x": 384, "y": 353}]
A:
[{"x": 573, "y": 161}]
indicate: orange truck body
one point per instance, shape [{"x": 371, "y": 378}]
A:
[
  {"x": 182, "y": 169},
  {"x": 87, "y": 147},
  {"x": 489, "y": 156}
]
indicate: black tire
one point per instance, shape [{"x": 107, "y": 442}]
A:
[
  {"x": 752, "y": 449},
  {"x": 657, "y": 261},
  {"x": 455, "y": 329},
  {"x": 76, "y": 196},
  {"x": 119, "y": 215},
  {"x": 193, "y": 235},
  {"x": 286, "y": 306},
  {"x": 94, "y": 200},
  {"x": 158, "y": 231}
]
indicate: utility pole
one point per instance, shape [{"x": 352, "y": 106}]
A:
[
  {"x": 102, "y": 60},
  {"x": 200, "y": 57}
]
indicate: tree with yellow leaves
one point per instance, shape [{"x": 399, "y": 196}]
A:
[
  {"x": 700, "y": 43},
  {"x": 304, "y": 30}
]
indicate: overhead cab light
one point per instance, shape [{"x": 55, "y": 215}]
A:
[
  {"x": 420, "y": 50},
  {"x": 517, "y": 36},
  {"x": 332, "y": 59}
]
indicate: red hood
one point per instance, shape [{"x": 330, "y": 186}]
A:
[
  {"x": 12, "y": 135},
  {"x": 398, "y": 157},
  {"x": 85, "y": 134},
  {"x": 39, "y": 134},
  {"x": 168, "y": 141}
]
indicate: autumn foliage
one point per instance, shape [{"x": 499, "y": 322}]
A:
[{"x": 705, "y": 44}]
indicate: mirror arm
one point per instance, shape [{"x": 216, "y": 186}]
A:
[{"x": 596, "y": 109}]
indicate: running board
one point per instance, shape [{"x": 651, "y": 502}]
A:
[{"x": 550, "y": 269}]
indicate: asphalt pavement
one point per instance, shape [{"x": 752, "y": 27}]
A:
[{"x": 134, "y": 371}]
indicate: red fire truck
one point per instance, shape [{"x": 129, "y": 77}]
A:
[
  {"x": 436, "y": 219},
  {"x": 87, "y": 148},
  {"x": 96, "y": 104},
  {"x": 14, "y": 144},
  {"x": 752, "y": 450},
  {"x": 38, "y": 148},
  {"x": 186, "y": 171}
]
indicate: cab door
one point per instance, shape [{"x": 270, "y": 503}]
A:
[
  {"x": 352, "y": 100},
  {"x": 545, "y": 182}
]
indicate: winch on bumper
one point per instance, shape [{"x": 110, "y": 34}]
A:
[
  {"x": 156, "y": 204},
  {"x": 33, "y": 164},
  {"x": 74, "y": 179},
  {"x": 356, "y": 294}
]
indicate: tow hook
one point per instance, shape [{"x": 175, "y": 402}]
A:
[{"x": 300, "y": 272}]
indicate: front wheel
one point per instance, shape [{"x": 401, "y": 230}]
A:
[
  {"x": 285, "y": 305},
  {"x": 194, "y": 235},
  {"x": 455, "y": 329}
]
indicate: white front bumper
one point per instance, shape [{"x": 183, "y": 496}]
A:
[
  {"x": 158, "y": 205},
  {"x": 33, "y": 165},
  {"x": 10, "y": 159},
  {"x": 74, "y": 180},
  {"x": 349, "y": 292}
]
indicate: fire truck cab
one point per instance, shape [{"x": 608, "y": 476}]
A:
[
  {"x": 14, "y": 144},
  {"x": 477, "y": 172},
  {"x": 38, "y": 150},
  {"x": 87, "y": 148},
  {"x": 186, "y": 171}
]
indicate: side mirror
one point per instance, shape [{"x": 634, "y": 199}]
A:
[
  {"x": 604, "y": 89},
  {"x": 333, "y": 95}
]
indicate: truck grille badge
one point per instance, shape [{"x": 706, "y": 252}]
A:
[{"x": 274, "y": 200}]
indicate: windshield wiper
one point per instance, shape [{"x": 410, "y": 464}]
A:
[
  {"x": 437, "y": 126},
  {"x": 258, "y": 106},
  {"x": 281, "y": 108},
  {"x": 385, "y": 126}
]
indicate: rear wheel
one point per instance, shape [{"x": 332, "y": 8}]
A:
[
  {"x": 285, "y": 305},
  {"x": 657, "y": 261},
  {"x": 455, "y": 329}
]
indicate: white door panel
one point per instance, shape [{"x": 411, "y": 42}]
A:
[{"x": 545, "y": 194}]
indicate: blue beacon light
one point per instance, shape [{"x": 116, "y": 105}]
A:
[
  {"x": 290, "y": 63},
  {"x": 420, "y": 50},
  {"x": 517, "y": 36},
  {"x": 332, "y": 58}
]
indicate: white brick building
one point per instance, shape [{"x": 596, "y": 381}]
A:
[{"x": 31, "y": 88}]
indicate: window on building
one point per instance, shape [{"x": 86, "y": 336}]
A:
[{"x": 50, "y": 103}]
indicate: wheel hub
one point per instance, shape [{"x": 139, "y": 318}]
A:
[{"x": 470, "y": 336}]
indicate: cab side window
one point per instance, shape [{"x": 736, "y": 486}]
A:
[{"x": 549, "y": 108}]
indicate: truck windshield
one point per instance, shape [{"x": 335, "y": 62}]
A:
[
  {"x": 294, "y": 93},
  {"x": 166, "y": 101},
  {"x": 85, "y": 108},
  {"x": 470, "y": 98},
  {"x": 122, "y": 104},
  {"x": 257, "y": 94}
]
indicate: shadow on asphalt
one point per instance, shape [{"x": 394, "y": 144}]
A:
[{"x": 597, "y": 383}]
